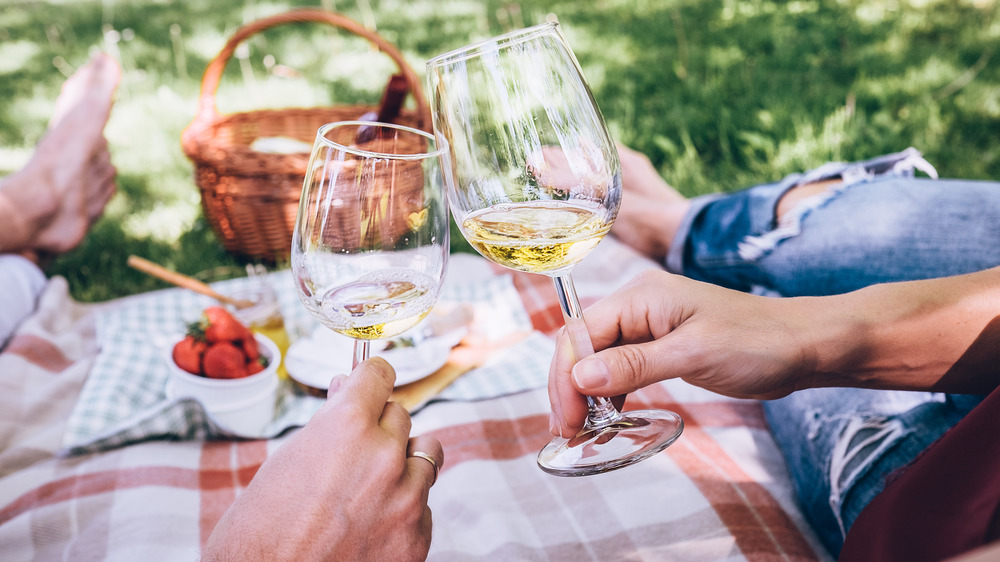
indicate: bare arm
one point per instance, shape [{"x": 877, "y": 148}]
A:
[
  {"x": 939, "y": 334},
  {"x": 936, "y": 335}
]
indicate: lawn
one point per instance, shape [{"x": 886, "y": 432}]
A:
[{"x": 720, "y": 94}]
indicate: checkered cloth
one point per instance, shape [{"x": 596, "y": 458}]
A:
[
  {"x": 720, "y": 492},
  {"x": 124, "y": 400}
]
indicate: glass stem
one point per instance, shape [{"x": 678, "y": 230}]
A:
[
  {"x": 361, "y": 348},
  {"x": 602, "y": 411}
]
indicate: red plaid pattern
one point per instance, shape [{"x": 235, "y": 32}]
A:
[{"x": 719, "y": 493}]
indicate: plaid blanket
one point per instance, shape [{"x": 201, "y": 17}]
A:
[
  {"x": 124, "y": 399},
  {"x": 720, "y": 492}
]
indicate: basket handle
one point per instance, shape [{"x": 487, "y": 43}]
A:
[{"x": 207, "y": 109}]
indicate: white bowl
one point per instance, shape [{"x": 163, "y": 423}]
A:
[{"x": 244, "y": 405}]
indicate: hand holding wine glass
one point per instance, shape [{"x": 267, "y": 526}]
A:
[
  {"x": 535, "y": 183},
  {"x": 371, "y": 238}
]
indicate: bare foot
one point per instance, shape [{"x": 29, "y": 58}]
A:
[
  {"x": 92, "y": 86},
  {"x": 651, "y": 210},
  {"x": 50, "y": 204},
  {"x": 641, "y": 178}
]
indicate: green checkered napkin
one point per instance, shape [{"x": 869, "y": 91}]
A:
[{"x": 123, "y": 400}]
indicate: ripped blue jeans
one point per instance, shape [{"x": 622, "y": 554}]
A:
[{"x": 880, "y": 224}]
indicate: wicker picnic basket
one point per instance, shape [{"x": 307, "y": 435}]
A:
[{"x": 250, "y": 197}]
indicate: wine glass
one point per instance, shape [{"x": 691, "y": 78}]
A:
[
  {"x": 370, "y": 245},
  {"x": 535, "y": 183}
]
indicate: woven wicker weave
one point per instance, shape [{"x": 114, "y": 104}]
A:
[{"x": 250, "y": 198}]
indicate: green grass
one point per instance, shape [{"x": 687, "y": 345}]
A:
[{"x": 720, "y": 94}]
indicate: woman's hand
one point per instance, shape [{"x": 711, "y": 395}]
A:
[
  {"x": 662, "y": 326},
  {"x": 345, "y": 487},
  {"x": 937, "y": 334}
]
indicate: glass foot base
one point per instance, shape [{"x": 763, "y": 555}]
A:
[{"x": 638, "y": 435}]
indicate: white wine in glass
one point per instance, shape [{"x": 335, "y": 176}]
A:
[
  {"x": 534, "y": 183},
  {"x": 371, "y": 239}
]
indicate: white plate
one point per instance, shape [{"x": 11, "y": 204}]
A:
[{"x": 316, "y": 359}]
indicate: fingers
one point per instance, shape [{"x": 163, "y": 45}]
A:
[
  {"x": 370, "y": 384},
  {"x": 425, "y": 458},
  {"x": 569, "y": 384},
  {"x": 396, "y": 422},
  {"x": 569, "y": 407},
  {"x": 373, "y": 378},
  {"x": 335, "y": 385},
  {"x": 634, "y": 366},
  {"x": 624, "y": 328}
]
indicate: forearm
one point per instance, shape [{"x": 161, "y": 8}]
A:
[{"x": 940, "y": 335}]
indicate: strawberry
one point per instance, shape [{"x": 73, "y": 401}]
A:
[
  {"x": 251, "y": 349},
  {"x": 254, "y": 367},
  {"x": 223, "y": 326},
  {"x": 187, "y": 354},
  {"x": 219, "y": 346},
  {"x": 223, "y": 360}
]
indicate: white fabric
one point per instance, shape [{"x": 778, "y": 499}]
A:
[{"x": 21, "y": 283}]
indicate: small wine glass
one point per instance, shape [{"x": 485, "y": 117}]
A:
[
  {"x": 535, "y": 183},
  {"x": 371, "y": 239}
]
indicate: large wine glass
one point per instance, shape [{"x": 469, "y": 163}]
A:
[
  {"x": 370, "y": 245},
  {"x": 535, "y": 183}
]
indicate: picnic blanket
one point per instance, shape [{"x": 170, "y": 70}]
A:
[
  {"x": 124, "y": 399},
  {"x": 721, "y": 492}
]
